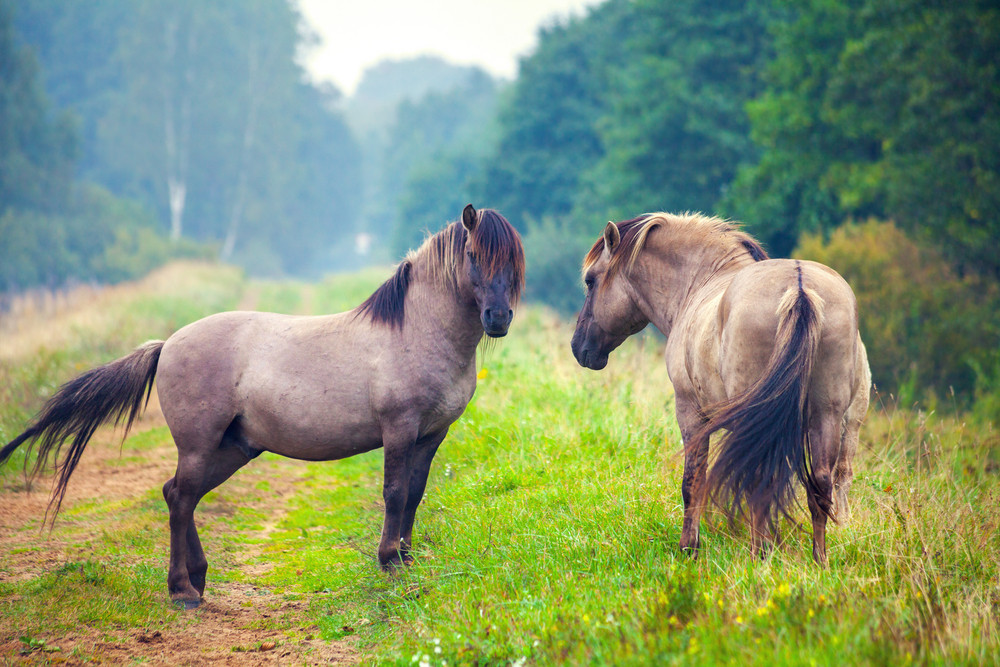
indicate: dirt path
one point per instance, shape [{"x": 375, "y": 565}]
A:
[{"x": 223, "y": 630}]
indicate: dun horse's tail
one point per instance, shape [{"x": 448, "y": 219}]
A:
[
  {"x": 115, "y": 392},
  {"x": 766, "y": 444}
]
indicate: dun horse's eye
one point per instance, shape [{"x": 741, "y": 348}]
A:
[{"x": 589, "y": 282}]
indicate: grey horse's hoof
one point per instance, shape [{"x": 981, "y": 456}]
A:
[{"x": 186, "y": 605}]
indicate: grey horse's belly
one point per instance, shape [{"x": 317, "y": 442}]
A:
[{"x": 310, "y": 424}]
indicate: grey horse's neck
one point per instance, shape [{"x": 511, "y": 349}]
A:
[{"x": 444, "y": 316}]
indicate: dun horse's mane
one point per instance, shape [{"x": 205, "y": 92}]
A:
[
  {"x": 494, "y": 243},
  {"x": 695, "y": 228}
]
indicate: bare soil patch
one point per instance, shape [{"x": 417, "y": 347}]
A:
[{"x": 238, "y": 624}]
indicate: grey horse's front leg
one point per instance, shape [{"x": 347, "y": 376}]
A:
[
  {"x": 398, "y": 444},
  {"x": 420, "y": 466}
]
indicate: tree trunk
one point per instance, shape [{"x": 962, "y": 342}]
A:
[
  {"x": 249, "y": 129},
  {"x": 177, "y": 146}
]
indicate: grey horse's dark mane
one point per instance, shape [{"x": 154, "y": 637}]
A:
[{"x": 494, "y": 242}]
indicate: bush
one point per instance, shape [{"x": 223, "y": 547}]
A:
[
  {"x": 929, "y": 331},
  {"x": 98, "y": 238}
]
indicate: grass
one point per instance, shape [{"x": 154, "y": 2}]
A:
[{"x": 549, "y": 530}]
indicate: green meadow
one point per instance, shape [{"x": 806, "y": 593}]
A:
[{"x": 549, "y": 530}]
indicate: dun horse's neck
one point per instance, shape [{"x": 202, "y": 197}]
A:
[{"x": 671, "y": 276}]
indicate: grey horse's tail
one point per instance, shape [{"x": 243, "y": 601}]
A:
[
  {"x": 766, "y": 446},
  {"x": 115, "y": 392}
]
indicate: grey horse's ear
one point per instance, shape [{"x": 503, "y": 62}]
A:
[
  {"x": 469, "y": 217},
  {"x": 611, "y": 237}
]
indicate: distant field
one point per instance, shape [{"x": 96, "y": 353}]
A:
[{"x": 548, "y": 534}]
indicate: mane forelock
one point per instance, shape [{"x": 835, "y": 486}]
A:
[{"x": 494, "y": 241}]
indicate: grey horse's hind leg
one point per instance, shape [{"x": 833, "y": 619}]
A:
[
  {"x": 420, "y": 466},
  {"x": 197, "y": 474}
]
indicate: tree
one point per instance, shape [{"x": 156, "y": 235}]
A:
[
  {"x": 200, "y": 112},
  {"x": 788, "y": 191},
  {"x": 677, "y": 129},
  {"x": 548, "y": 134},
  {"x": 37, "y": 146},
  {"x": 887, "y": 109},
  {"x": 434, "y": 158},
  {"x": 921, "y": 86}
]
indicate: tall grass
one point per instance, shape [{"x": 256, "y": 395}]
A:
[
  {"x": 549, "y": 531},
  {"x": 549, "y": 534}
]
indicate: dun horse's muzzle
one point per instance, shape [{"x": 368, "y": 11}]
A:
[{"x": 587, "y": 354}]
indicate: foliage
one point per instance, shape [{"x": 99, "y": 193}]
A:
[
  {"x": 97, "y": 237},
  {"x": 52, "y": 228},
  {"x": 37, "y": 146},
  {"x": 921, "y": 85},
  {"x": 676, "y": 131},
  {"x": 434, "y": 159},
  {"x": 421, "y": 122},
  {"x": 548, "y": 135},
  {"x": 927, "y": 328},
  {"x": 884, "y": 109},
  {"x": 554, "y": 252}
]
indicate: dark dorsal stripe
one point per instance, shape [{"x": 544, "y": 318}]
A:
[{"x": 755, "y": 249}]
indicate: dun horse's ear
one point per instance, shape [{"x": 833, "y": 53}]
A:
[
  {"x": 469, "y": 217},
  {"x": 611, "y": 237}
]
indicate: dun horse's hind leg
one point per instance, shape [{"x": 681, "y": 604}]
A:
[
  {"x": 844, "y": 473},
  {"x": 694, "y": 486},
  {"x": 197, "y": 474},
  {"x": 824, "y": 446},
  {"x": 420, "y": 466},
  {"x": 760, "y": 531}
]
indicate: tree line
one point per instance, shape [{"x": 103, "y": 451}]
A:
[
  {"x": 797, "y": 118},
  {"x": 179, "y": 119},
  {"x": 823, "y": 125}
]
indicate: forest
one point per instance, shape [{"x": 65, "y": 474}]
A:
[{"x": 861, "y": 133}]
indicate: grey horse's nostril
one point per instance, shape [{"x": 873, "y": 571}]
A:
[{"x": 510, "y": 313}]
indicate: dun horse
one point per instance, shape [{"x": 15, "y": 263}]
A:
[
  {"x": 395, "y": 373},
  {"x": 766, "y": 350}
]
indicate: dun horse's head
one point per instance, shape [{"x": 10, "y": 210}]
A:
[
  {"x": 493, "y": 269},
  {"x": 609, "y": 314}
]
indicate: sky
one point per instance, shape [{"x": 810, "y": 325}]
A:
[{"x": 356, "y": 34}]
